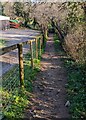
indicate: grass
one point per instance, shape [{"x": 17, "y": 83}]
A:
[
  {"x": 14, "y": 99},
  {"x": 58, "y": 45},
  {"x": 76, "y": 86},
  {"x": 2, "y": 43}
]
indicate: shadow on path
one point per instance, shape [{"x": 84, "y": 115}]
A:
[{"x": 49, "y": 92}]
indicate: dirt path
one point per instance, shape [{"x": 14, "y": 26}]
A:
[{"x": 49, "y": 93}]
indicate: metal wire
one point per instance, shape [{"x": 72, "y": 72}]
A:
[{"x": 11, "y": 80}]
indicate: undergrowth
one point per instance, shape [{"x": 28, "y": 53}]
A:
[
  {"x": 58, "y": 45},
  {"x": 14, "y": 101},
  {"x": 76, "y": 86},
  {"x": 2, "y": 43}
]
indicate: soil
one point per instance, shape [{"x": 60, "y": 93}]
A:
[{"x": 49, "y": 88}]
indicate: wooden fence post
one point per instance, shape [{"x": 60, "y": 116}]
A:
[
  {"x": 36, "y": 41},
  {"x": 31, "y": 50},
  {"x": 40, "y": 47},
  {"x": 41, "y": 41},
  {"x": 21, "y": 65}
]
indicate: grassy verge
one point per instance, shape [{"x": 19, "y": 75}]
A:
[
  {"x": 76, "y": 86},
  {"x": 14, "y": 99},
  {"x": 44, "y": 45},
  {"x": 2, "y": 43},
  {"x": 58, "y": 46}
]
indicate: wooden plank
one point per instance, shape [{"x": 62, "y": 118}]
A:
[
  {"x": 21, "y": 65},
  {"x": 13, "y": 47},
  {"x": 31, "y": 50},
  {"x": 26, "y": 42},
  {"x": 39, "y": 36},
  {"x": 7, "y": 49},
  {"x": 40, "y": 47}
]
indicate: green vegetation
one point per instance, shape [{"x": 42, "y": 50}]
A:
[
  {"x": 44, "y": 44},
  {"x": 58, "y": 45},
  {"x": 15, "y": 99},
  {"x": 74, "y": 39},
  {"x": 2, "y": 43},
  {"x": 76, "y": 85},
  {"x": 76, "y": 88}
]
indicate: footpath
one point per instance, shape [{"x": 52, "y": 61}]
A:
[{"x": 49, "y": 91}]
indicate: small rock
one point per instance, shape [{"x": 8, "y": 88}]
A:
[
  {"x": 43, "y": 93},
  {"x": 66, "y": 85},
  {"x": 32, "y": 112},
  {"x": 67, "y": 104},
  {"x": 52, "y": 67},
  {"x": 58, "y": 91},
  {"x": 60, "y": 80},
  {"x": 43, "y": 78},
  {"x": 41, "y": 88},
  {"x": 37, "y": 116}
]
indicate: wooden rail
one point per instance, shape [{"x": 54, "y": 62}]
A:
[{"x": 19, "y": 46}]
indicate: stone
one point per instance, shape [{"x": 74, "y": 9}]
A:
[{"x": 67, "y": 104}]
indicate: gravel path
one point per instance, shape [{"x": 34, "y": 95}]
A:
[{"x": 49, "y": 92}]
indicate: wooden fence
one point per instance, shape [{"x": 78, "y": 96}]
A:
[{"x": 19, "y": 46}]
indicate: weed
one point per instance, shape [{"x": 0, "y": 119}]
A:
[
  {"x": 58, "y": 45},
  {"x": 2, "y": 43},
  {"x": 15, "y": 99},
  {"x": 76, "y": 86}
]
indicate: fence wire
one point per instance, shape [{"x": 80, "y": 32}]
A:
[{"x": 11, "y": 79}]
